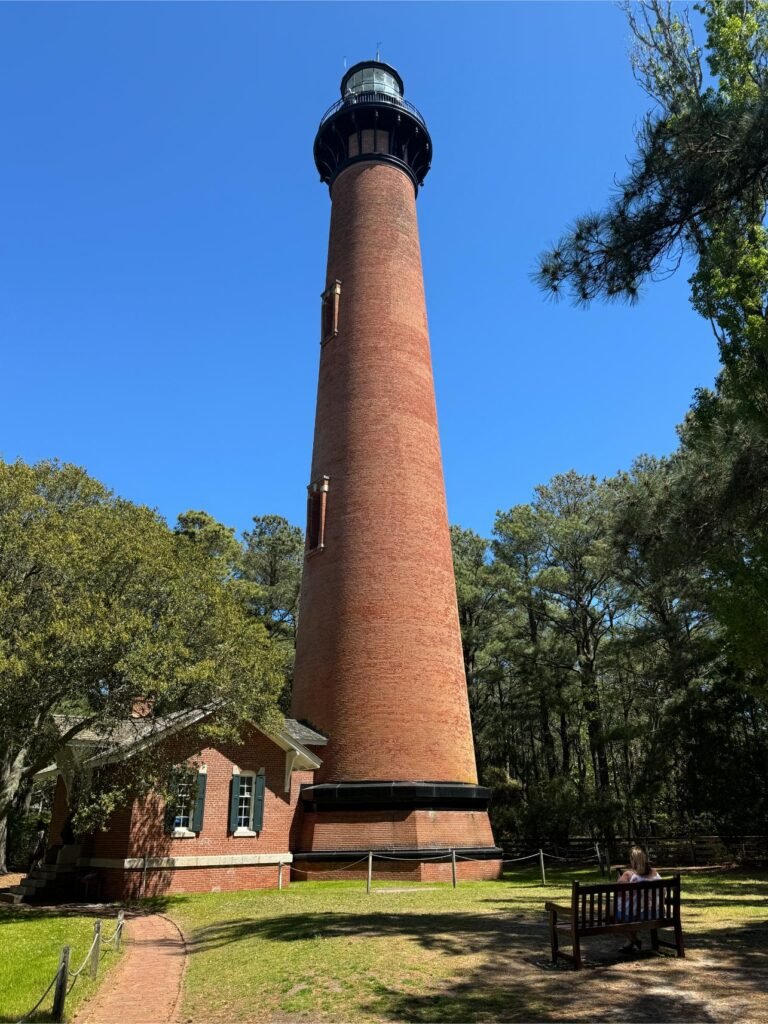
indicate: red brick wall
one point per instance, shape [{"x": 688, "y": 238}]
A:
[
  {"x": 119, "y": 884},
  {"x": 394, "y": 872},
  {"x": 378, "y": 664},
  {"x": 114, "y": 841},
  {"x": 377, "y": 830},
  {"x": 138, "y": 830},
  {"x": 279, "y": 807}
]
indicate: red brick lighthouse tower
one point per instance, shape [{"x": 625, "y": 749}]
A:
[{"x": 379, "y": 664}]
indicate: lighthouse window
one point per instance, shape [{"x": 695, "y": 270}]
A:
[
  {"x": 317, "y": 497},
  {"x": 329, "y": 319},
  {"x": 372, "y": 80}
]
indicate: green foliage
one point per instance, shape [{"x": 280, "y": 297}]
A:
[
  {"x": 687, "y": 643},
  {"x": 702, "y": 153},
  {"x": 506, "y": 796},
  {"x": 271, "y": 563},
  {"x": 101, "y": 603},
  {"x": 611, "y": 675}
]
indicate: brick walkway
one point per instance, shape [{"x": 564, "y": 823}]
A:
[{"x": 145, "y": 987}]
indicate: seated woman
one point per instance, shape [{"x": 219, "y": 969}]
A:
[{"x": 627, "y": 909}]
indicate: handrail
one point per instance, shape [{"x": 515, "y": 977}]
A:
[{"x": 352, "y": 99}]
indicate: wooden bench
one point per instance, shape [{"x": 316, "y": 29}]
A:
[{"x": 642, "y": 906}]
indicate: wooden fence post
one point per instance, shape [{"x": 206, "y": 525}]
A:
[
  {"x": 453, "y": 867},
  {"x": 60, "y": 992},
  {"x": 370, "y": 870},
  {"x": 541, "y": 865},
  {"x": 600, "y": 861},
  {"x": 96, "y": 951},
  {"x": 280, "y": 875}
]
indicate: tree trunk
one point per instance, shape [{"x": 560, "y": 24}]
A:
[
  {"x": 592, "y": 712},
  {"x": 11, "y": 778},
  {"x": 565, "y": 744},
  {"x": 3, "y": 842}
]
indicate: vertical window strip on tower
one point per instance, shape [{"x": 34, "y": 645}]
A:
[
  {"x": 317, "y": 500},
  {"x": 329, "y": 321}
]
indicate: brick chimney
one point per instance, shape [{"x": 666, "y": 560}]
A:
[
  {"x": 142, "y": 707},
  {"x": 379, "y": 666}
]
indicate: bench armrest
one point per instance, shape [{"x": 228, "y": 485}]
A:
[{"x": 558, "y": 909}]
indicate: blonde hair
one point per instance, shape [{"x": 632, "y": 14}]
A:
[{"x": 638, "y": 859}]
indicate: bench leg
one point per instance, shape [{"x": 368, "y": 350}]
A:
[
  {"x": 679, "y": 939},
  {"x": 553, "y": 935},
  {"x": 576, "y": 951},
  {"x": 655, "y": 939}
]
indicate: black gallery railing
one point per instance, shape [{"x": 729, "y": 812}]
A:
[{"x": 355, "y": 99}]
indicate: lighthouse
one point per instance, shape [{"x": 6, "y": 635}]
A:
[{"x": 379, "y": 666}]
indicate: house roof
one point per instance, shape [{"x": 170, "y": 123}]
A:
[
  {"x": 127, "y": 731},
  {"x": 122, "y": 739},
  {"x": 303, "y": 734}
]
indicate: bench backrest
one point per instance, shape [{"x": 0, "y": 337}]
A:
[{"x": 601, "y": 906}]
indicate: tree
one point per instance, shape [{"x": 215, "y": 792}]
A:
[
  {"x": 603, "y": 679},
  {"x": 698, "y": 188},
  {"x": 561, "y": 545},
  {"x": 271, "y": 563},
  {"x": 101, "y": 603},
  {"x": 217, "y": 540},
  {"x": 479, "y": 590}
]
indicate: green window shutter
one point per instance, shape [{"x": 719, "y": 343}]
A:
[
  {"x": 233, "y": 803},
  {"x": 170, "y": 807},
  {"x": 197, "y": 814},
  {"x": 258, "y": 803}
]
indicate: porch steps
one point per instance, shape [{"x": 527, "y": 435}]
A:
[{"x": 48, "y": 882}]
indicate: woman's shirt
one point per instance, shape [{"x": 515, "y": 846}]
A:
[
  {"x": 629, "y": 908},
  {"x": 653, "y": 877}
]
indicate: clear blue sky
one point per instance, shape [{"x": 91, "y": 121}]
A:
[{"x": 163, "y": 238}]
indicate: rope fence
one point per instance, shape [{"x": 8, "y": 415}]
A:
[
  {"x": 449, "y": 856},
  {"x": 64, "y": 979}
]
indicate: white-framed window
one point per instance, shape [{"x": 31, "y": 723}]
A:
[
  {"x": 245, "y": 800},
  {"x": 183, "y": 803},
  {"x": 186, "y": 804},
  {"x": 246, "y": 807}
]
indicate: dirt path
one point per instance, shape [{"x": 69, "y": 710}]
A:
[{"x": 145, "y": 987}]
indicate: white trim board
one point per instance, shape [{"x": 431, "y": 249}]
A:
[{"x": 225, "y": 860}]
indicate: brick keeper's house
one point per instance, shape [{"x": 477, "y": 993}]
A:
[{"x": 229, "y": 824}]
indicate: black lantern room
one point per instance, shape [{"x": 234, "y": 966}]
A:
[{"x": 372, "y": 121}]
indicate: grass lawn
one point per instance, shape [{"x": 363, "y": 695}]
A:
[
  {"x": 329, "y": 952},
  {"x": 30, "y": 945}
]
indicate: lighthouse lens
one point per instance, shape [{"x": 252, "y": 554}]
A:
[{"x": 372, "y": 80}]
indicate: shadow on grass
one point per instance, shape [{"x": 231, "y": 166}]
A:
[
  {"x": 482, "y": 996},
  {"x": 451, "y": 932},
  {"x": 516, "y": 982},
  {"x": 725, "y": 980}
]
